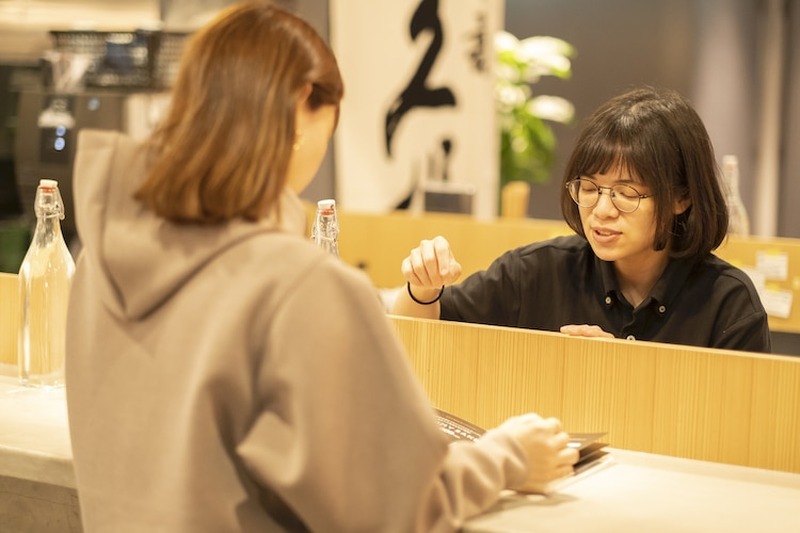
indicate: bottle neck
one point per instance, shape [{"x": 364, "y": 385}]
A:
[
  {"x": 730, "y": 171},
  {"x": 326, "y": 231},
  {"x": 733, "y": 187},
  {"x": 327, "y": 226},
  {"x": 48, "y": 229}
]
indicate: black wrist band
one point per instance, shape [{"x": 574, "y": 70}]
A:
[{"x": 438, "y": 296}]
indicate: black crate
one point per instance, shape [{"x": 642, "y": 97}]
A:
[
  {"x": 124, "y": 59},
  {"x": 170, "y": 49}
]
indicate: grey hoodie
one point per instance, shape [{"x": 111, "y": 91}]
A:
[{"x": 236, "y": 378}]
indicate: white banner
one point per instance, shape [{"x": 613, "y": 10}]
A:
[{"x": 418, "y": 106}]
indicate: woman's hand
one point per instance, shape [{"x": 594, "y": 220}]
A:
[
  {"x": 549, "y": 457},
  {"x": 585, "y": 330},
  {"x": 429, "y": 266},
  {"x": 427, "y": 269}
]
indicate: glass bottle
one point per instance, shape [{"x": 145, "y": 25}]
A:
[
  {"x": 325, "y": 231},
  {"x": 738, "y": 221},
  {"x": 44, "y": 283}
]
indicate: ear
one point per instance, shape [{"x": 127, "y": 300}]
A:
[
  {"x": 681, "y": 205},
  {"x": 304, "y": 93},
  {"x": 301, "y": 111}
]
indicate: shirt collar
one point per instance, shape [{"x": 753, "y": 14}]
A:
[
  {"x": 671, "y": 282},
  {"x": 608, "y": 277},
  {"x": 664, "y": 291}
]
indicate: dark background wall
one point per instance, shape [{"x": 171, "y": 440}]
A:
[
  {"x": 625, "y": 43},
  {"x": 707, "y": 49},
  {"x": 789, "y": 214}
]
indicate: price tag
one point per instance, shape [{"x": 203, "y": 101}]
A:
[
  {"x": 757, "y": 277},
  {"x": 777, "y": 302},
  {"x": 774, "y": 265}
]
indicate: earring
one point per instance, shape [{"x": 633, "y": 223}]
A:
[{"x": 298, "y": 140}]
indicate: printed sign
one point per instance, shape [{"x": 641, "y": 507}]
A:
[{"x": 418, "y": 106}]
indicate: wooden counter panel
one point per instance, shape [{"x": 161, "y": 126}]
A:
[
  {"x": 9, "y": 318},
  {"x": 379, "y": 243},
  {"x": 715, "y": 405}
]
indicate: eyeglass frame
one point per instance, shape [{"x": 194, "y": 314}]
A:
[{"x": 611, "y": 194}]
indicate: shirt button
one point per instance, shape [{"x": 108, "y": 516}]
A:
[
  {"x": 662, "y": 309},
  {"x": 608, "y": 300},
  {"x": 631, "y": 338}
]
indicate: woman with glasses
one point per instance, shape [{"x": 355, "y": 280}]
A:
[{"x": 642, "y": 193}]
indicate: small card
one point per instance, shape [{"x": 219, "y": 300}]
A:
[
  {"x": 757, "y": 277},
  {"x": 590, "y": 449},
  {"x": 773, "y": 264},
  {"x": 582, "y": 440},
  {"x": 777, "y": 302}
]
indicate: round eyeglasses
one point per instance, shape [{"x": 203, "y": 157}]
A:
[{"x": 586, "y": 193}]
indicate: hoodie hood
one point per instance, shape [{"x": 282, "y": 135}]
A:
[{"x": 143, "y": 259}]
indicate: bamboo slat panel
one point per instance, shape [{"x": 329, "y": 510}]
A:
[
  {"x": 379, "y": 243},
  {"x": 9, "y": 318},
  {"x": 714, "y": 405}
]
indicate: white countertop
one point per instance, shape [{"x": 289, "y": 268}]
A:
[
  {"x": 638, "y": 491},
  {"x": 34, "y": 435},
  {"x": 632, "y": 491}
]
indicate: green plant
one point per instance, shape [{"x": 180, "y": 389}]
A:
[{"x": 527, "y": 142}]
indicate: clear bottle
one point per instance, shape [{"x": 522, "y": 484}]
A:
[
  {"x": 45, "y": 277},
  {"x": 325, "y": 231},
  {"x": 738, "y": 221}
]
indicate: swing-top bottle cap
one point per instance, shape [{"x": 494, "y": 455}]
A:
[
  {"x": 48, "y": 202},
  {"x": 328, "y": 203}
]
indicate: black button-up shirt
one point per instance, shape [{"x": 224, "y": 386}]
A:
[{"x": 548, "y": 284}]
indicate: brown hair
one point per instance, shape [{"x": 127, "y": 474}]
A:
[
  {"x": 657, "y": 136},
  {"x": 223, "y": 150}
]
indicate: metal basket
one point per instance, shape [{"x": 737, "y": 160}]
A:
[
  {"x": 125, "y": 59},
  {"x": 168, "y": 58}
]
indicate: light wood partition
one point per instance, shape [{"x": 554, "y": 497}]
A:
[
  {"x": 9, "y": 318},
  {"x": 379, "y": 243},
  {"x": 716, "y": 405}
]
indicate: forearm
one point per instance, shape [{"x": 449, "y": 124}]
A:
[
  {"x": 472, "y": 477},
  {"x": 404, "y": 305}
]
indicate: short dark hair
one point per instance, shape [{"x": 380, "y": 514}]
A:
[{"x": 656, "y": 135}]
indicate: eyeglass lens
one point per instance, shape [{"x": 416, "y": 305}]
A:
[{"x": 586, "y": 193}]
